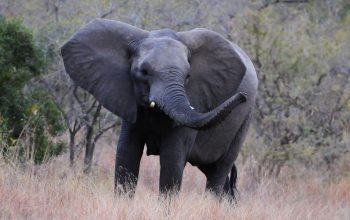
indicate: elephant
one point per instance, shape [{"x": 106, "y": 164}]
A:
[{"x": 185, "y": 96}]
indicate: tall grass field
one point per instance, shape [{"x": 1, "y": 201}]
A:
[{"x": 56, "y": 191}]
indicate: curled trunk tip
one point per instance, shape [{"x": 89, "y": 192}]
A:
[{"x": 177, "y": 107}]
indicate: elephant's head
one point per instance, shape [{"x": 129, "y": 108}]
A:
[{"x": 125, "y": 67}]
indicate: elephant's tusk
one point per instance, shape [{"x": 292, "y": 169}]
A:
[{"x": 152, "y": 104}]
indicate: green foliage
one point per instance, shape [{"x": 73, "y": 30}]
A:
[
  {"x": 29, "y": 118},
  {"x": 302, "y": 111}
]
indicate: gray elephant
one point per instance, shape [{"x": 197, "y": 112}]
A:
[{"x": 188, "y": 96}]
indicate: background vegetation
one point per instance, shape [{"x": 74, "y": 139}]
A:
[
  {"x": 301, "y": 50},
  {"x": 29, "y": 119}
]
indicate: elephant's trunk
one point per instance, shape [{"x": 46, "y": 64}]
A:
[{"x": 175, "y": 104}]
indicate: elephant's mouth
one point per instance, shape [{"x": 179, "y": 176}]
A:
[
  {"x": 143, "y": 100},
  {"x": 142, "y": 93}
]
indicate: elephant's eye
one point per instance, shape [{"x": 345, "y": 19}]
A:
[
  {"x": 144, "y": 72},
  {"x": 187, "y": 78}
]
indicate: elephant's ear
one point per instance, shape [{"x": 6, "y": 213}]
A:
[
  {"x": 216, "y": 69},
  {"x": 97, "y": 58}
]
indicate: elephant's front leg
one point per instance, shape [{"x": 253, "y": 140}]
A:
[
  {"x": 174, "y": 152},
  {"x": 129, "y": 153}
]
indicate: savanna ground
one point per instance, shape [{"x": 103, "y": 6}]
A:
[{"x": 57, "y": 191}]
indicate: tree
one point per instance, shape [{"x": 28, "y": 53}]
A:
[{"x": 29, "y": 119}]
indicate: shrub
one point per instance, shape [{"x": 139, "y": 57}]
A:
[{"x": 29, "y": 119}]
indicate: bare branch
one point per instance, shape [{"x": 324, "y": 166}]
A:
[
  {"x": 57, "y": 102},
  {"x": 104, "y": 130},
  {"x": 107, "y": 13}
]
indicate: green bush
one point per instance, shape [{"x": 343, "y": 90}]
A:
[
  {"x": 28, "y": 117},
  {"x": 302, "y": 113}
]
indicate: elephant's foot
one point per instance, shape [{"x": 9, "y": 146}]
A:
[
  {"x": 124, "y": 182},
  {"x": 170, "y": 178}
]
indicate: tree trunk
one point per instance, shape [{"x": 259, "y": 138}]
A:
[
  {"x": 71, "y": 149},
  {"x": 90, "y": 142},
  {"x": 89, "y": 150}
]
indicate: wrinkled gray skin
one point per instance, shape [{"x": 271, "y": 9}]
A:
[{"x": 203, "y": 86}]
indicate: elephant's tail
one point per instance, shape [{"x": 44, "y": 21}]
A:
[
  {"x": 233, "y": 180},
  {"x": 230, "y": 185}
]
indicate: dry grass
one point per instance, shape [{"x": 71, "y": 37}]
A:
[{"x": 55, "y": 191}]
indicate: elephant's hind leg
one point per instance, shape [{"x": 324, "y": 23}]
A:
[
  {"x": 216, "y": 178},
  {"x": 230, "y": 185},
  {"x": 217, "y": 173}
]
